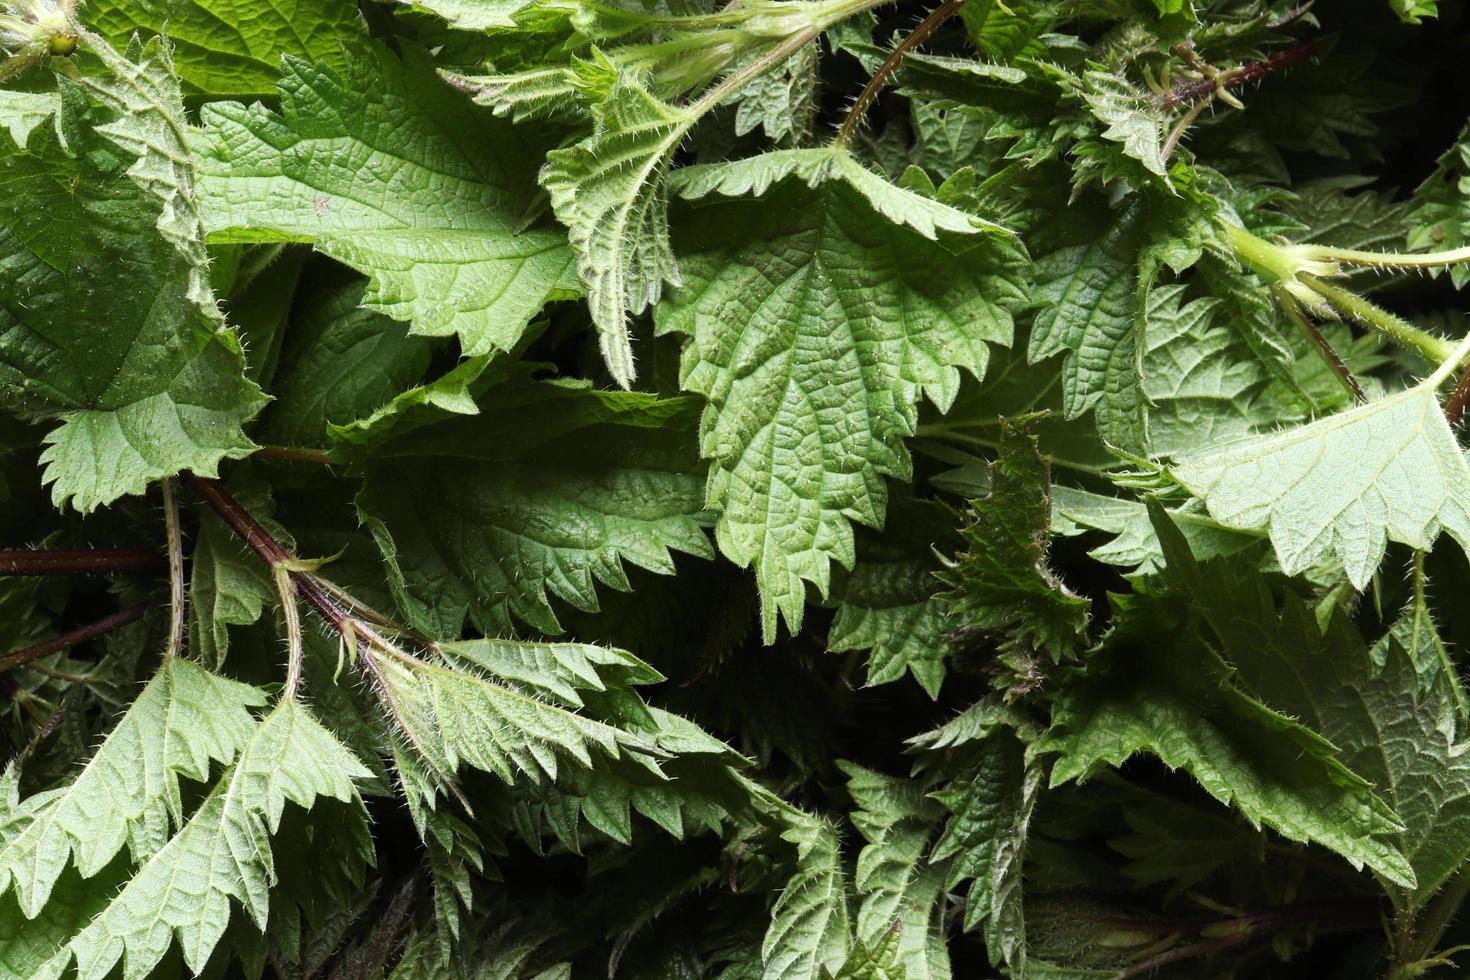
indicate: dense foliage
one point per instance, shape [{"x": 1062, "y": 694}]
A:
[{"x": 781, "y": 489}]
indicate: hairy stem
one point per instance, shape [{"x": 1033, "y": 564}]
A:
[
  {"x": 176, "y": 593},
  {"x": 260, "y": 541},
  {"x": 78, "y": 561},
  {"x": 292, "y": 616},
  {"x": 70, "y": 639},
  {"x": 1420, "y": 939},
  {"x": 733, "y": 82},
  {"x": 1369, "y": 314},
  {"x": 869, "y": 94},
  {"x": 1180, "y": 127},
  {"x": 274, "y": 554},
  {"x": 1241, "y": 75},
  {"x": 1388, "y": 260}
]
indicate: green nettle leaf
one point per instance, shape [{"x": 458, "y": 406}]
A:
[
  {"x": 494, "y": 722},
  {"x": 991, "y": 801},
  {"x": 222, "y": 853},
  {"x": 754, "y": 176},
  {"x": 432, "y": 556},
  {"x": 1086, "y": 280},
  {"x": 472, "y": 15},
  {"x": 1386, "y": 724},
  {"x": 1344, "y": 486},
  {"x": 1135, "y": 545},
  {"x": 547, "y": 491},
  {"x": 128, "y": 792},
  {"x": 1175, "y": 700},
  {"x": 1415, "y": 11},
  {"x": 609, "y": 191},
  {"x": 431, "y": 210},
  {"x": 783, "y": 103},
  {"x": 890, "y": 604},
  {"x": 809, "y": 935},
  {"x": 1002, "y": 583},
  {"x": 28, "y": 947},
  {"x": 1439, "y": 216},
  {"x": 233, "y": 47},
  {"x": 815, "y": 326},
  {"x": 903, "y": 896},
  {"x": 21, "y": 112},
  {"x": 340, "y": 363},
  {"x": 106, "y": 315},
  {"x": 1131, "y": 117}
]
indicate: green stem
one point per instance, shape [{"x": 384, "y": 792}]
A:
[
  {"x": 1387, "y": 260},
  {"x": 950, "y": 432},
  {"x": 733, "y": 82},
  {"x": 1422, "y": 937},
  {"x": 1437, "y": 350}
]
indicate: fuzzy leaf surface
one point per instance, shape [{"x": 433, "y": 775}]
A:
[
  {"x": 815, "y": 327},
  {"x": 106, "y": 314},
  {"x": 393, "y": 173},
  {"x": 222, "y": 853},
  {"x": 566, "y": 484},
  {"x": 183, "y": 721},
  {"x": 1344, "y": 486},
  {"x": 232, "y": 48}
]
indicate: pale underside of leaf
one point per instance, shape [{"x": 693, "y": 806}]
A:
[{"x": 1342, "y": 487}]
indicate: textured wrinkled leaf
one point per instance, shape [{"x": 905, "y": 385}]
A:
[
  {"x": 1176, "y": 701},
  {"x": 547, "y": 491},
  {"x": 339, "y": 364},
  {"x": 815, "y": 327},
  {"x": 889, "y": 604},
  {"x": 1438, "y": 216},
  {"x": 222, "y": 853},
  {"x": 1386, "y": 724},
  {"x": 1135, "y": 545},
  {"x": 903, "y": 894},
  {"x": 128, "y": 792},
  {"x": 232, "y": 47},
  {"x": 512, "y": 709},
  {"x": 106, "y": 314},
  {"x": 1344, "y": 486},
  {"x": 429, "y": 203},
  {"x": 809, "y": 930},
  {"x": 1132, "y": 119},
  {"x": 21, "y": 112},
  {"x": 472, "y": 15},
  {"x": 1002, "y": 582},
  {"x": 608, "y": 189},
  {"x": 990, "y": 800},
  {"x": 1086, "y": 278},
  {"x": 754, "y": 176}
]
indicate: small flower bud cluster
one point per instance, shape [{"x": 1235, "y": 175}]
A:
[{"x": 32, "y": 28}]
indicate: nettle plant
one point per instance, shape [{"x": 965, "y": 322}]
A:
[{"x": 781, "y": 489}]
